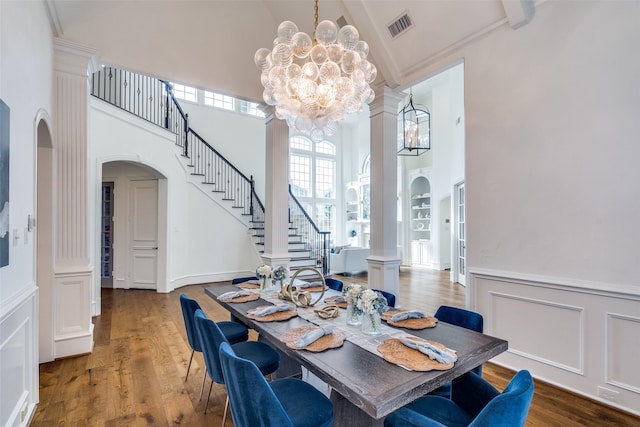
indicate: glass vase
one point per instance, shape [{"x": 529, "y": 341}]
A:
[
  {"x": 353, "y": 315},
  {"x": 263, "y": 284},
  {"x": 371, "y": 323},
  {"x": 276, "y": 286}
]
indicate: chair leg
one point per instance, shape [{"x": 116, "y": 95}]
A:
[
  {"x": 204, "y": 378},
  {"x": 208, "y": 396},
  {"x": 226, "y": 409},
  {"x": 189, "y": 366}
]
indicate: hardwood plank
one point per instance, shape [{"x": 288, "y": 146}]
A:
[{"x": 141, "y": 354}]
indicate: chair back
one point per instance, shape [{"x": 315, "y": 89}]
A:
[
  {"x": 242, "y": 279},
  {"x": 189, "y": 307},
  {"x": 465, "y": 319},
  {"x": 391, "y": 298},
  {"x": 334, "y": 284},
  {"x": 511, "y": 406},
  {"x": 211, "y": 338},
  {"x": 460, "y": 317},
  {"x": 253, "y": 403}
]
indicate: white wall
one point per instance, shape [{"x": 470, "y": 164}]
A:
[
  {"x": 552, "y": 194},
  {"x": 238, "y": 137},
  {"x": 26, "y": 87},
  {"x": 205, "y": 242},
  {"x": 551, "y": 157}
]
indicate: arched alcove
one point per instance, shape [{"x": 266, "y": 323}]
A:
[{"x": 44, "y": 235}]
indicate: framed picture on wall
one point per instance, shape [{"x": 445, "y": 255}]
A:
[{"x": 4, "y": 184}]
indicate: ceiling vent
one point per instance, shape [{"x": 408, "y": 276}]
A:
[{"x": 400, "y": 25}]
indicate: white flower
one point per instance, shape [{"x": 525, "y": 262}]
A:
[
  {"x": 370, "y": 301},
  {"x": 351, "y": 292},
  {"x": 263, "y": 271}
]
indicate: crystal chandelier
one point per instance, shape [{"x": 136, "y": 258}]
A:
[
  {"x": 315, "y": 82},
  {"x": 414, "y": 130}
]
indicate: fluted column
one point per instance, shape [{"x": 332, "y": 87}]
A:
[
  {"x": 73, "y": 330},
  {"x": 276, "y": 221},
  {"x": 383, "y": 260}
]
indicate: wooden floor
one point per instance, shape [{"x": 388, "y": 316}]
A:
[{"x": 135, "y": 375}]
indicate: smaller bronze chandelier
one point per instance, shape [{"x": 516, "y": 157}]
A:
[{"x": 414, "y": 130}]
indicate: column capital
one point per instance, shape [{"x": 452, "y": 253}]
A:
[
  {"x": 269, "y": 112},
  {"x": 74, "y": 58},
  {"x": 386, "y": 101}
]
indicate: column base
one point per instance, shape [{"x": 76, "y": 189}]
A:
[
  {"x": 384, "y": 274},
  {"x": 73, "y": 329}
]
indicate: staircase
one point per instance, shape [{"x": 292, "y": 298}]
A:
[{"x": 152, "y": 100}]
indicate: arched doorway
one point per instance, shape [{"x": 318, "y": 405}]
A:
[{"x": 132, "y": 250}]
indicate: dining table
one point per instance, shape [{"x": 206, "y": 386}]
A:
[{"x": 364, "y": 387}]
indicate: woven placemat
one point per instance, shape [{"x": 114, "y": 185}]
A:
[
  {"x": 394, "y": 351},
  {"x": 251, "y": 297},
  {"x": 422, "y": 323},
  {"x": 248, "y": 285},
  {"x": 275, "y": 317},
  {"x": 331, "y": 300},
  {"x": 332, "y": 340}
]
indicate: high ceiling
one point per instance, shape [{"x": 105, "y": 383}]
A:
[{"x": 211, "y": 43}]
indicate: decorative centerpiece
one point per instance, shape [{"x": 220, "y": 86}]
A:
[
  {"x": 351, "y": 294},
  {"x": 372, "y": 304},
  {"x": 279, "y": 274},
  {"x": 263, "y": 273}
]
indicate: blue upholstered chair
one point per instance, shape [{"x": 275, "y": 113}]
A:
[
  {"x": 243, "y": 279},
  {"x": 465, "y": 319},
  {"x": 235, "y": 282},
  {"x": 211, "y": 337},
  {"x": 235, "y": 332},
  {"x": 287, "y": 402},
  {"x": 474, "y": 402},
  {"x": 391, "y": 298},
  {"x": 334, "y": 284}
]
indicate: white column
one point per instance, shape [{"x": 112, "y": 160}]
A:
[
  {"x": 73, "y": 330},
  {"x": 276, "y": 218},
  {"x": 384, "y": 263}
]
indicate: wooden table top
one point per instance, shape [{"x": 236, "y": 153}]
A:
[{"x": 369, "y": 382}]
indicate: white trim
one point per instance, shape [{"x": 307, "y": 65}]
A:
[
  {"x": 10, "y": 305},
  {"x": 194, "y": 279},
  {"x": 607, "y": 373},
  {"x": 590, "y": 287},
  {"x": 576, "y": 370},
  {"x": 117, "y": 113}
]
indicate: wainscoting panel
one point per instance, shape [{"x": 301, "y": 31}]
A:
[
  {"x": 541, "y": 330},
  {"x": 18, "y": 362},
  {"x": 623, "y": 351},
  {"x": 580, "y": 336},
  {"x": 73, "y": 329}
]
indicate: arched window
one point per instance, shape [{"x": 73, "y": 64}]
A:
[{"x": 312, "y": 174}]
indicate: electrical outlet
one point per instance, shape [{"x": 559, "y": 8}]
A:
[{"x": 612, "y": 395}]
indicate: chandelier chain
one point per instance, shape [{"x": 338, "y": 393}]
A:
[{"x": 315, "y": 20}]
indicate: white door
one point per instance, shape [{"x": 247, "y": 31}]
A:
[
  {"x": 461, "y": 231},
  {"x": 143, "y": 253}
]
